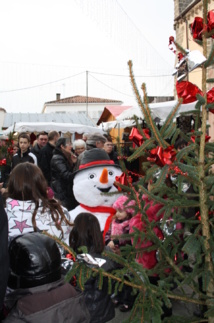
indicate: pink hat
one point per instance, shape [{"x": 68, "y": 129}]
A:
[{"x": 119, "y": 204}]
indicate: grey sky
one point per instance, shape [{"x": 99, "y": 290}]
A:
[{"x": 48, "y": 45}]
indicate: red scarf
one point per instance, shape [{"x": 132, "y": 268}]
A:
[{"x": 102, "y": 209}]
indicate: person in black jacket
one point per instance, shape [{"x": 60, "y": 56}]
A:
[
  {"x": 86, "y": 232},
  {"x": 41, "y": 141},
  {"x": 62, "y": 164},
  {"x": 4, "y": 258},
  {"x": 40, "y": 293},
  {"x": 46, "y": 154},
  {"x": 24, "y": 154}
]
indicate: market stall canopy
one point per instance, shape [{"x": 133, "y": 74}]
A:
[
  {"x": 128, "y": 114},
  {"x": 159, "y": 110},
  {"x": 105, "y": 126},
  {"x": 49, "y": 126}
]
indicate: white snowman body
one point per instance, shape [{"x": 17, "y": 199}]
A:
[{"x": 89, "y": 187}]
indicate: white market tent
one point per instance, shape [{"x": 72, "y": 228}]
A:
[
  {"x": 160, "y": 110},
  {"x": 105, "y": 126},
  {"x": 49, "y": 126}
]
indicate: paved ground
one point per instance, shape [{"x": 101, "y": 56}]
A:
[
  {"x": 179, "y": 308},
  {"x": 119, "y": 316}
]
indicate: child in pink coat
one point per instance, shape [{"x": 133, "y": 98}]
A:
[
  {"x": 120, "y": 223},
  {"x": 120, "y": 226}
]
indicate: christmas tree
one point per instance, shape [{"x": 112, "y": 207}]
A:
[
  {"x": 179, "y": 184},
  {"x": 6, "y": 154}
]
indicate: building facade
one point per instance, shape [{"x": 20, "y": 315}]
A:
[
  {"x": 184, "y": 13},
  {"x": 93, "y": 107}
]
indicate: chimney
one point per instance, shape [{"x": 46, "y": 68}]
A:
[{"x": 58, "y": 96}]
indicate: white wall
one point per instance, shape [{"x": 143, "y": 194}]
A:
[{"x": 94, "y": 109}]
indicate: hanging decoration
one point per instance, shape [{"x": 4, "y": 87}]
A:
[
  {"x": 210, "y": 21},
  {"x": 194, "y": 138},
  {"x": 161, "y": 156},
  {"x": 210, "y": 98},
  {"x": 6, "y": 154},
  {"x": 197, "y": 27},
  {"x": 187, "y": 91},
  {"x": 123, "y": 179},
  {"x": 188, "y": 63},
  {"x": 171, "y": 45},
  {"x": 136, "y": 136}
]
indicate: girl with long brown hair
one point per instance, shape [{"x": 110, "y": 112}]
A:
[{"x": 28, "y": 207}]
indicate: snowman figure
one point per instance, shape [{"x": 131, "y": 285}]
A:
[{"x": 95, "y": 177}]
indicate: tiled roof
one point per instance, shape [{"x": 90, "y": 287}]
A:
[
  {"x": 76, "y": 118},
  {"x": 83, "y": 99},
  {"x": 114, "y": 110}
]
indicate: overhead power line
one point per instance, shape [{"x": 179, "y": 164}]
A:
[
  {"x": 71, "y": 76},
  {"x": 43, "y": 84},
  {"x": 110, "y": 87}
]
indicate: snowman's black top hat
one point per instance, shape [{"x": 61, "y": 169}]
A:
[{"x": 95, "y": 157}]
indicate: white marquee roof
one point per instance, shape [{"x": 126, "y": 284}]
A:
[
  {"x": 159, "y": 110},
  {"x": 49, "y": 126}
]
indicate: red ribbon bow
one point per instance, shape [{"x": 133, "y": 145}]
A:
[
  {"x": 3, "y": 162},
  {"x": 210, "y": 98},
  {"x": 210, "y": 21},
  {"x": 123, "y": 179},
  {"x": 193, "y": 138},
  {"x": 162, "y": 156},
  {"x": 187, "y": 91},
  {"x": 196, "y": 28},
  {"x": 136, "y": 136}
]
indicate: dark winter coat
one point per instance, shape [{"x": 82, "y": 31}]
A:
[
  {"x": 98, "y": 301},
  {"x": 46, "y": 154},
  {"x": 36, "y": 151},
  {"x": 51, "y": 303},
  {"x": 28, "y": 156},
  {"x": 62, "y": 179},
  {"x": 113, "y": 156},
  {"x": 4, "y": 258},
  {"x": 5, "y": 173}
]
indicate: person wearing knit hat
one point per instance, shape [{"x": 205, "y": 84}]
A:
[{"x": 120, "y": 223}]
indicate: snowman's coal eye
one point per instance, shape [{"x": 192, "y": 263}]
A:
[
  {"x": 111, "y": 173},
  {"x": 91, "y": 176}
]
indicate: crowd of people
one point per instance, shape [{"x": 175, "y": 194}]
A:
[{"x": 38, "y": 197}]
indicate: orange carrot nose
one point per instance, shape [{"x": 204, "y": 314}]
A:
[{"x": 104, "y": 176}]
